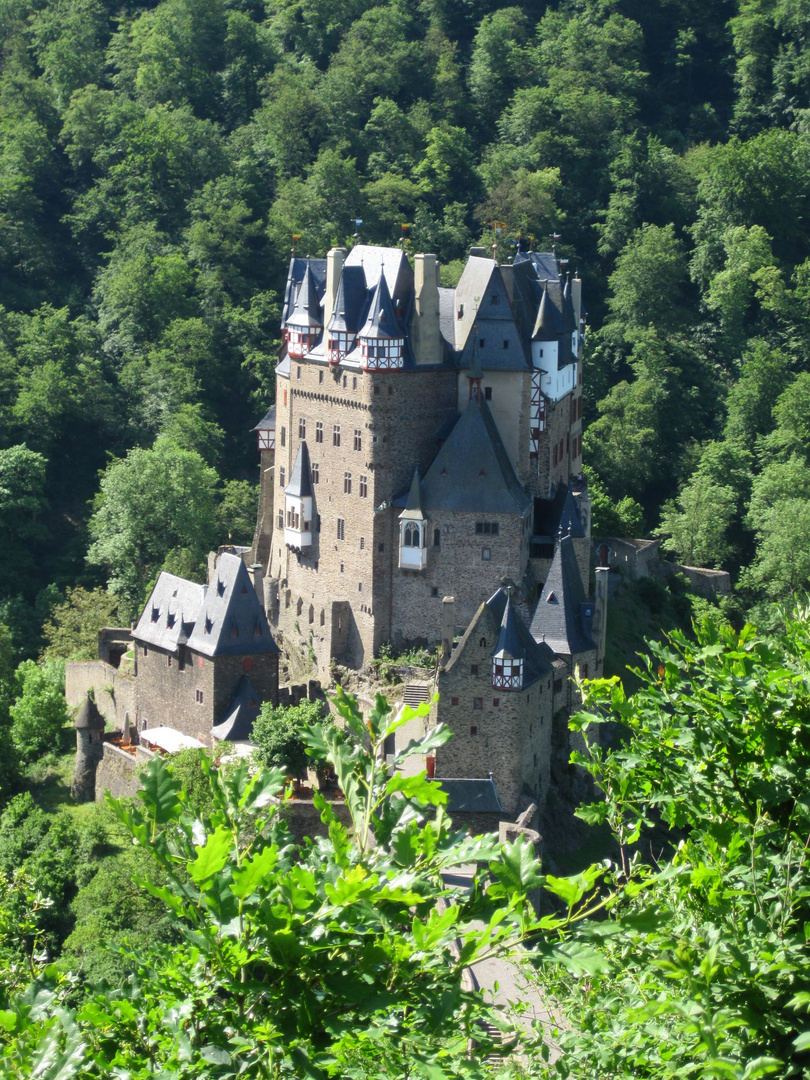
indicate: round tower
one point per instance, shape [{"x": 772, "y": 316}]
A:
[{"x": 89, "y": 737}]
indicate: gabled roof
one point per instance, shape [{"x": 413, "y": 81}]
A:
[
  {"x": 300, "y": 485},
  {"x": 558, "y": 618},
  {"x": 472, "y": 471},
  {"x": 413, "y": 507},
  {"x": 168, "y": 617},
  {"x": 245, "y": 707},
  {"x": 231, "y": 621},
  {"x": 381, "y": 321},
  {"x": 307, "y": 310}
]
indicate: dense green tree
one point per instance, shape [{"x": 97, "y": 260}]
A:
[
  {"x": 71, "y": 633},
  {"x": 39, "y": 710},
  {"x": 152, "y": 503},
  {"x": 279, "y": 735},
  {"x": 696, "y": 522}
]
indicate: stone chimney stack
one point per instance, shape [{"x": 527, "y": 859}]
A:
[
  {"x": 425, "y": 336},
  {"x": 576, "y": 298},
  {"x": 448, "y": 627},
  {"x": 257, "y": 574},
  {"x": 334, "y": 268}
]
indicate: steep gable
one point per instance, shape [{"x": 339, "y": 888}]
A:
[
  {"x": 170, "y": 613},
  {"x": 231, "y": 621}
]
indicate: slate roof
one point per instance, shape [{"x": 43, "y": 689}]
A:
[
  {"x": 245, "y": 707},
  {"x": 381, "y": 321},
  {"x": 447, "y": 316},
  {"x": 413, "y": 507},
  {"x": 472, "y": 471},
  {"x": 267, "y": 422},
  {"x": 168, "y": 617},
  {"x": 466, "y": 796},
  {"x": 538, "y": 657},
  {"x": 88, "y": 716},
  {"x": 351, "y": 301},
  {"x": 547, "y": 326},
  {"x": 307, "y": 309},
  {"x": 559, "y": 514},
  {"x": 295, "y": 276},
  {"x": 509, "y": 644},
  {"x": 231, "y": 621},
  {"x": 562, "y": 613},
  {"x": 394, "y": 265},
  {"x": 300, "y": 485}
]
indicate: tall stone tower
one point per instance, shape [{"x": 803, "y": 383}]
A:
[{"x": 89, "y": 736}]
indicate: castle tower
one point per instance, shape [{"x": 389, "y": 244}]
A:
[{"x": 89, "y": 738}]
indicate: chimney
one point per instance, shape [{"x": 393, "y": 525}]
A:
[
  {"x": 334, "y": 268},
  {"x": 508, "y": 275},
  {"x": 448, "y": 627},
  {"x": 425, "y": 337},
  {"x": 257, "y": 574},
  {"x": 576, "y": 298}
]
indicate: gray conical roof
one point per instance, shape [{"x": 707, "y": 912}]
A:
[
  {"x": 307, "y": 311},
  {"x": 413, "y": 507},
  {"x": 545, "y": 327},
  {"x": 88, "y": 715},
  {"x": 508, "y": 643},
  {"x": 300, "y": 485},
  {"x": 381, "y": 321}
]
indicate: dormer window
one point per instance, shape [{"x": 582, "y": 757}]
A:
[
  {"x": 338, "y": 345},
  {"x": 155, "y": 614},
  {"x": 209, "y": 625},
  {"x": 381, "y": 354},
  {"x": 301, "y": 341},
  {"x": 220, "y": 587}
]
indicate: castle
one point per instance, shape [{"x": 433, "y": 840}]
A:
[{"x": 420, "y": 483}]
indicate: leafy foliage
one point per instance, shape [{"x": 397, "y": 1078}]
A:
[{"x": 700, "y": 968}]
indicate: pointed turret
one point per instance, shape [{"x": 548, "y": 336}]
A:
[
  {"x": 304, "y": 325},
  {"x": 298, "y": 496},
  {"x": 545, "y": 327},
  {"x": 508, "y": 654},
  {"x": 381, "y": 339}
]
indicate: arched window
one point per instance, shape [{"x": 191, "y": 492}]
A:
[
  {"x": 300, "y": 606},
  {"x": 412, "y": 536},
  {"x": 437, "y": 536},
  {"x": 311, "y": 613}
]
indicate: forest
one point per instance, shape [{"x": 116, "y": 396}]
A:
[
  {"x": 160, "y": 160},
  {"x": 158, "y": 163}
]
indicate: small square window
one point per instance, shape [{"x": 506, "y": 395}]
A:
[
  {"x": 320, "y": 377},
  {"x": 454, "y": 701},
  {"x": 473, "y": 729},
  {"x": 478, "y": 703},
  {"x": 390, "y": 389},
  {"x": 298, "y": 372},
  {"x": 496, "y": 702},
  {"x": 488, "y": 393},
  {"x": 486, "y": 554},
  {"x": 377, "y": 389},
  {"x": 336, "y": 435},
  {"x": 345, "y": 382},
  {"x": 316, "y": 473},
  {"x": 359, "y": 586},
  {"x": 168, "y": 661},
  {"x": 341, "y": 530},
  {"x": 434, "y": 591},
  {"x": 506, "y": 344},
  {"x": 319, "y": 431},
  {"x": 362, "y": 543},
  {"x": 354, "y": 382},
  {"x": 283, "y": 436},
  {"x": 381, "y": 548},
  {"x": 480, "y": 343},
  {"x": 473, "y": 669}
]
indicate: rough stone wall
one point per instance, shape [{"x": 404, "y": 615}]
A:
[
  {"x": 262, "y": 670},
  {"x": 114, "y": 693},
  {"x": 456, "y": 568},
  {"x": 89, "y": 749},
  {"x": 167, "y": 692},
  {"x": 263, "y": 538},
  {"x": 118, "y": 772},
  {"x": 392, "y": 418},
  {"x": 512, "y": 728},
  {"x": 708, "y": 583}
]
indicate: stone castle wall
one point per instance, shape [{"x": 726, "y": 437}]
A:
[
  {"x": 503, "y": 732},
  {"x": 118, "y": 771},
  {"x": 113, "y": 691},
  {"x": 168, "y": 691},
  {"x": 387, "y": 428}
]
